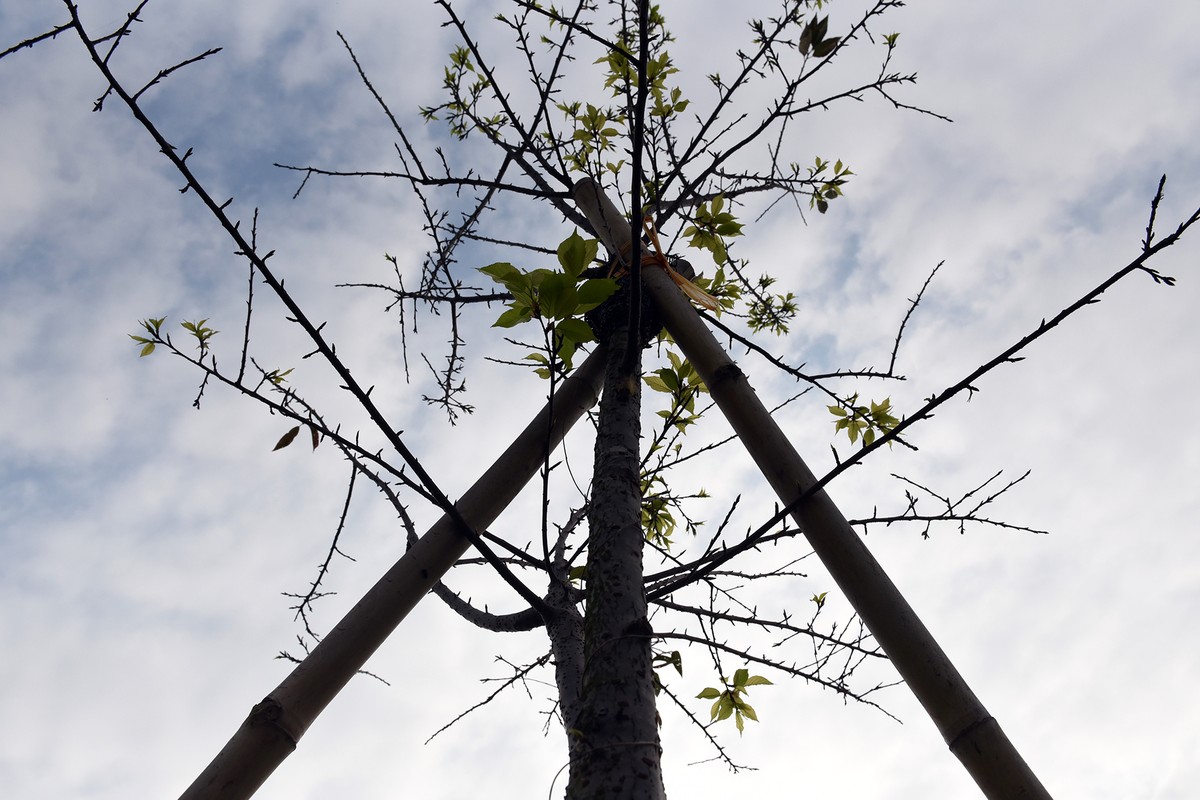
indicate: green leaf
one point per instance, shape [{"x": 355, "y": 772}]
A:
[
  {"x": 573, "y": 254},
  {"x": 501, "y": 272},
  {"x": 200, "y": 331},
  {"x": 276, "y": 377},
  {"x": 723, "y": 708},
  {"x": 674, "y": 659},
  {"x": 513, "y": 317},
  {"x": 146, "y": 350},
  {"x": 710, "y": 224},
  {"x": 556, "y": 296},
  {"x": 708, "y": 694},
  {"x": 594, "y": 291},
  {"x": 757, "y": 680},
  {"x": 659, "y": 385},
  {"x": 669, "y": 378},
  {"x": 825, "y": 47},
  {"x": 575, "y": 330}
]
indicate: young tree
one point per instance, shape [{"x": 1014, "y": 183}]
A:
[{"x": 612, "y": 620}]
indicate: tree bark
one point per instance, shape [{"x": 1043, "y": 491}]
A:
[
  {"x": 617, "y": 754},
  {"x": 564, "y": 627}
]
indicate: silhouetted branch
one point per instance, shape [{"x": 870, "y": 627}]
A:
[{"x": 41, "y": 37}]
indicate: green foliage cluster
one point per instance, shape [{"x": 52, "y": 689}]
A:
[
  {"x": 727, "y": 292},
  {"x": 863, "y": 421},
  {"x": 466, "y": 88},
  {"x": 731, "y": 701},
  {"x": 153, "y": 326},
  {"x": 711, "y": 225},
  {"x": 557, "y": 298},
  {"x": 593, "y": 137},
  {"x": 771, "y": 312},
  {"x": 622, "y": 73},
  {"x": 659, "y": 504},
  {"x": 657, "y": 520},
  {"x": 201, "y": 331},
  {"x": 278, "y": 377},
  {"x": 682, "y": 385},
  {"x": 595, "y": 130},
  {"x": 596, "y": 141},
  {"x": 831, "y": 187}
]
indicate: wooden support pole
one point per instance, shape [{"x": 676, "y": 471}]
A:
[
  {"x": 973, "y": 735},
  {"x": 271, "y": 732}
]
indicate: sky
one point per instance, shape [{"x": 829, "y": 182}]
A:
[{"x": 145, "y": 546}]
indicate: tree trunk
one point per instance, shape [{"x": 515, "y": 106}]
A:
[
  {"x": 564, "y": 627},
  {"x": 616, "y": 754}
]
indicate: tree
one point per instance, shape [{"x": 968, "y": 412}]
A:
[{"x": 709, "y": 229}]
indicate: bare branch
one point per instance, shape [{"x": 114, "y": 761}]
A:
[{"x": 31, "y": 41}]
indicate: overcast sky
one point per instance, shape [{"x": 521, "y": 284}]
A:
[{"x": 144, "y": 545}]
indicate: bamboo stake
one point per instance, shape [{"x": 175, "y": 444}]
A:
[
  {"x": 973, "y": 735},
  {"x": 271, "y": 732}
]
